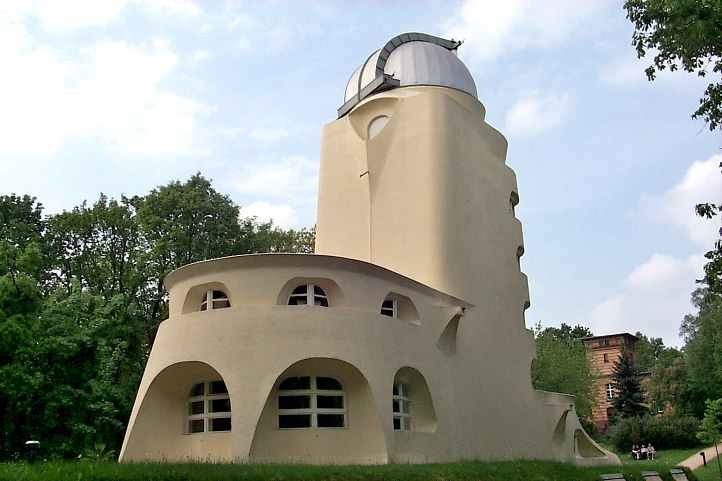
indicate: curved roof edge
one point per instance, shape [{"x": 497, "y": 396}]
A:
[
  {"x": 188, "y": 270},
  {"x": 383, "y": 81}
]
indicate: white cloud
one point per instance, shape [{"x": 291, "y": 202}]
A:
[
  {"x": 267, "y": 135},
  {"x": 109, "y": 91},
  {"x": 69, "y": 15},
  {"x": 282, "y": 215},
  {"x": 655, "y": 295},
  {"x": 491, "y": 27},
  {"x": 292, "y": 177},
  {"x": 534, "y": 113},
  {"x": 654, "y": 298},
  {"x": 701, "y": 183}
]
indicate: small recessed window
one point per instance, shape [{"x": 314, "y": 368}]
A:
[
  {"x": 215, "y": 299},
  {"x": 209, "y": 407},
  {"x": 390, "y": 307},
  {"x": 308, "y": 294},
  {"x": 610, "y": 391},
  {"x": 311, "y": 402},
  {"x": 606, "y": 357},
  {"x": 401, "y": 407}
]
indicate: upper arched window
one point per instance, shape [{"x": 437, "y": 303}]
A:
[
  {"x": 214, "y": 299},
  {"x": 390, "y": 307},
  {"x": 308, "y": 294},
  {"x": 209, "y": 407},
  {"x": 311, "y": 402}
]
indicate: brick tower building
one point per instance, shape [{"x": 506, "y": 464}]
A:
[{"x": 603, "y": 352}]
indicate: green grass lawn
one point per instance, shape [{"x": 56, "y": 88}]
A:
[
  {"x": 669, "y": 457},
  {"x": 467, "y": 471},
  {"x": 709, "y": 473}
]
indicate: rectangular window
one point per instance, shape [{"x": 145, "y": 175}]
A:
[
  {"x": 606, "y": 357},
  {"x": 401, "y": 407},
  {"x": 330, "y": 420},
  {"x": 291, "y": 421},
  {"x": 610, "y": 392},
  {"x": 294, "y": 402},
  {"x": 196, "y": 426},
  {"x": 220, "y": 424}
]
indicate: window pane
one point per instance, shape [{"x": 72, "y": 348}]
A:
[
  {"x": 387, "y": 312},
  {"x": 222, "y": 303},
  {"x": 397, "y": 424},
  {"x": 388, "y": 304},
  {"x": 220, "y": 406},
  {"x": 321, "y": 301},
  {"x": 396, "y": 389},
  {"x": 295, "y": 383},
  {"x": 330, "y": 420},
  {"x": 328, "y": 384},
  {"x": 204, "y": 306},
  {"x": 196, "y": 407},
  {"x": 396, "y": 406},
  {"x": 300, "y": 290},
  {"x": 217, "y": 387},
  {"x": 219, "y": 294},
  {"x": 329, "y": 402},
  {"x": 294, "y": 402},
  {"x": 407, "y": 424},
  {"x": 286, "y": 421},
  {"x": 405, "y": 407},
  {"x": 196, "y": 426},
  {"x": 197, "y": 389},
  {"x": 297, "y": 301},
  {"x": 220, "y": 424},
  {"x": 318, "y": 291}
]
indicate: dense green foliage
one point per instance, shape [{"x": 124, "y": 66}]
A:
[
  {"x": 710, "y": 431},
  {"x": 664, "y": 432},
  {"x": 81, "y": 297},
  {"x": 664, "y": 368},
  {"x": 628, "y": 395},
  {"x": 468, "y": 471},
  {"x": 561, "y": 365},
  {"x": 682, "y": 34}
]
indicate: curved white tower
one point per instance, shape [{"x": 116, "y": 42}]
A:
[{"x": 402, "y": 339}]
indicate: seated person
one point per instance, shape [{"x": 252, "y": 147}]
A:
[
  {"x": 643, "y": 452},
  {"x": 635, "y": 452},
  {"x": 651, "y": 451}
]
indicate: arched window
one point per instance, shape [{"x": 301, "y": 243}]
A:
[
  {"x": 209, "y": 408},
  {"x": 401, "y": 407},
  {"x": 311, "y": 402},
  {"x": 390, "y": 307},
  {"x": 308, "y": 294},
  {"x": 214, "y": 299}
]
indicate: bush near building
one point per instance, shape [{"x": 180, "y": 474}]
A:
[{"x": 664, "y": 432}]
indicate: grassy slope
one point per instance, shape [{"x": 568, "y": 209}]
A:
[
  {"x": 710, "y": 473},
  {"x": 502, "y": 471}
]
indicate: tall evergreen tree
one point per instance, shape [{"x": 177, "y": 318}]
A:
[{"x": 628, "y": 395}]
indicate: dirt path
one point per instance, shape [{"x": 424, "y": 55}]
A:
[{"x": 695, "y": 461}]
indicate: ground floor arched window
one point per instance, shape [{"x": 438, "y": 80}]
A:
[
  {"x": 311, "y": 402},
  {"x": 209, "y": 408}
]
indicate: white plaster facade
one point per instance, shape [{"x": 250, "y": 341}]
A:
[{"x": 416, "y": 207}]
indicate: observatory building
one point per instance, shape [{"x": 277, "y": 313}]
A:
[{"x": 402, "y": 339}]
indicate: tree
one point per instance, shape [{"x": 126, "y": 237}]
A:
[
  {"x": 628, "y": 395},
  {"x": 682, "y": 34},
  {"x": 703, "y": 352},
  {"x": 561, "y": 365},
  {"x": 710, "y": 431}
]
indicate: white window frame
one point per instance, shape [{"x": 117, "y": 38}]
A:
[
  {"x": 403, "y": 400},
  {"x": 394, "y": 307},
  {"x": 610, "y": 391},
  {"x": 311, "y": 295},
  {"x": 206, "y": 416},
  {"x": 313, "y": 409},
  {"x": 213, "y": 300}
]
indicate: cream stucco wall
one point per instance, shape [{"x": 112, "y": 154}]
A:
[{"x": 421, "y": 210}]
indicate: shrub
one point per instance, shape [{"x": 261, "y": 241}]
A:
[{"x": 664, "y": 432}]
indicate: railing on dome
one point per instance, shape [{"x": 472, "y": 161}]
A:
[{"x": 383, "y": 81}]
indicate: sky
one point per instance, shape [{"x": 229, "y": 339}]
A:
[{"x": 121, "y": 96}]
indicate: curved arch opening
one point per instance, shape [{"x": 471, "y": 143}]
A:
[
  {"x": 400, "y": 307},
  {"x": 327, "y": 294},
  {"x": 198, "y": 297},
  {"x": 161, "y": 430},
  {"x": 336, "y": 419},
  {"x": 413, "y": 406}
]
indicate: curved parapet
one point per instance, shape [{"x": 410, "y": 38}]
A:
[{"x": 569, "y": 442}]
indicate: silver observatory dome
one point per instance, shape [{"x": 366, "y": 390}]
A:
[{"x": 408, "y": 59}]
